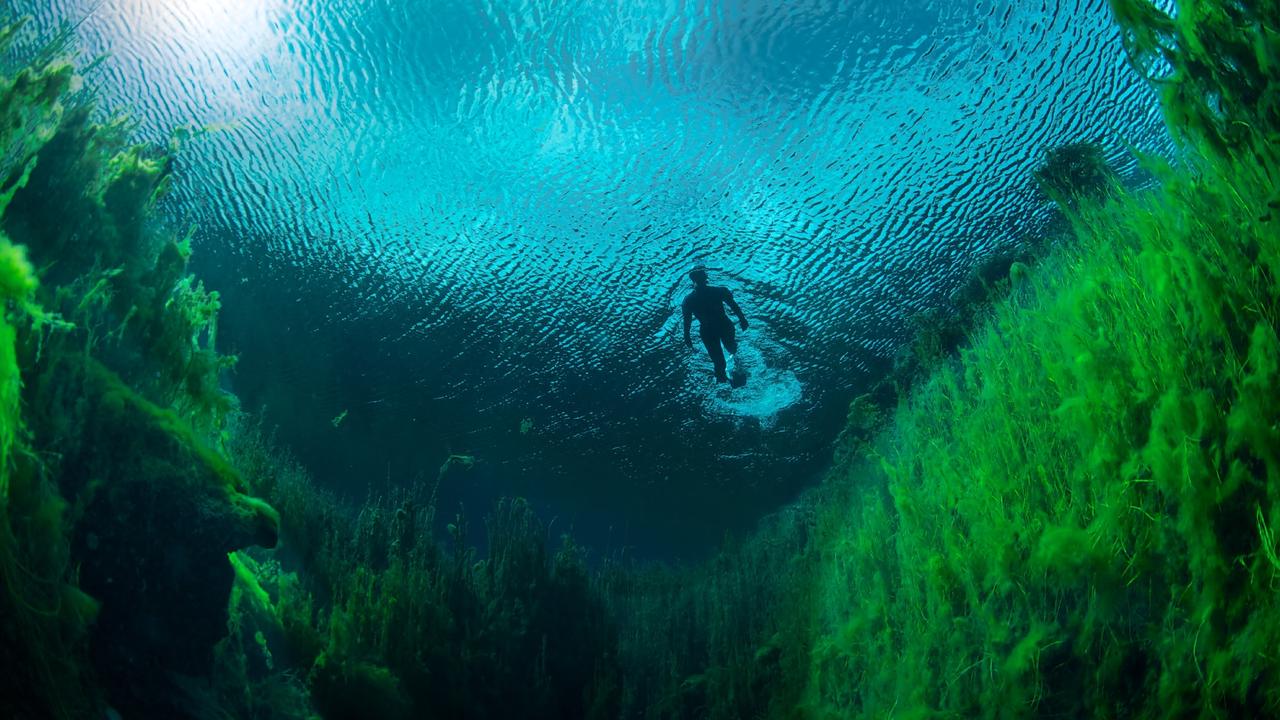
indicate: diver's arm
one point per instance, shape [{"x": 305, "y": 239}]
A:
[
  {"x": 688, "y": 320},
  {"x": 733, "y": 305}
]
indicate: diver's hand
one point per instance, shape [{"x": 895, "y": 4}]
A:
[{"x": 743, "y": 323}]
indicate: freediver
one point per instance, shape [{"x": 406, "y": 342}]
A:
[{"x": 706, "y": 303}]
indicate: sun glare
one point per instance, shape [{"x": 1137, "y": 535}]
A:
[{"x": 220, "y": 26}]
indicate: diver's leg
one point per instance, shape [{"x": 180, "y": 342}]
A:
[
  {"x": 729, "y": 336},
  {"x": 730, "y": 340},
  {"x": 712, "y": 343}
]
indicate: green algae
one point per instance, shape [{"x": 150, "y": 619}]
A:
[
  {"x": 1076, "y": 506},
  {"x": 106, "y": 417},
  {"x": 46, "y": 616},
  {"x": 1074, "y": 488},
  {"x": 1075, "y": 172},
  {"x": 375, "y": 613}
]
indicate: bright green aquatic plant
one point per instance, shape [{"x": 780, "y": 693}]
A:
[
  {"x": 1075, "y": 517},
  {"x": 106, "y": 362},
  {"x": 46, "y": 615},
  {"x": 83, "y": 209},
  {"x": 1215, "y": 61}
]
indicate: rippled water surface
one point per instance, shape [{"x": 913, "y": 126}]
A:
[{"x": 467, "y": 223}]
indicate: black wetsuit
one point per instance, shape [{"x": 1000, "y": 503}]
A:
[{"x": 706, "y": 303}]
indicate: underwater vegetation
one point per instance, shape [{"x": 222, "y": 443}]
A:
[
  {"x": 363, "y": 609},
  {"x": 117, "y": 509},
  {"x": 378, "y": 618},
  {"x": 1075, "y": 173},
  {"x": 1062, "y": 502},
  {"x": 1075, "y": 516},
  {"x": 1069, "y": 174}
]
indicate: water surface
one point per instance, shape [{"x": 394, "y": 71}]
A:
[{"x": 466, "y": 225}]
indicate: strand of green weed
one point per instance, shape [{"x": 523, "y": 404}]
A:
[{"x": 1268, "y": 540}]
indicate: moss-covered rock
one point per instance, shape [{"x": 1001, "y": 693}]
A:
[{"x": 156, "y": 513}]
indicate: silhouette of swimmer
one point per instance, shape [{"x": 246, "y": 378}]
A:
[{"x": 706, "y": 303}]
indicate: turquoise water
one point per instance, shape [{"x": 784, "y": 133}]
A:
[{"x": 454, "y": 220}]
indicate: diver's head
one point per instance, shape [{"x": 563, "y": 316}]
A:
[{"x": 698, "y": 276}]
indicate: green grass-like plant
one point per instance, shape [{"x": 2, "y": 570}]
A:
[
  {"x": 1074, "y": 517},
  {"x": 109, "y": 402}
]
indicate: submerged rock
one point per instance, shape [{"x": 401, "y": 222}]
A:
[{"x": 156, "y": 514}]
